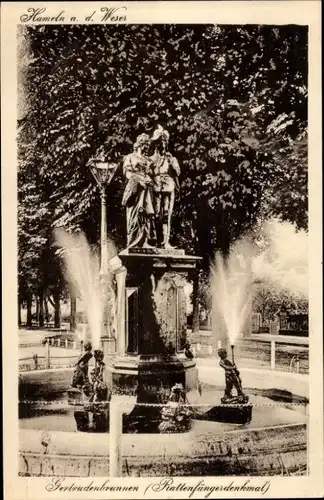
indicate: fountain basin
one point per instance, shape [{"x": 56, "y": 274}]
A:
[
  {"x": 266, "y": 451},
  {"x": 39, "y": 384},
  {"x": 274, "y": 441}
]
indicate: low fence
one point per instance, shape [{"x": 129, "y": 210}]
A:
[
  {"x": 54, "y": 342},
  {"x": 264, "y": 351},
  {"x": 37, "y": 362},
  {"x": 276, "y": 355},
  {"x": 270, "y": 352},
  {"x": 47, "y": 355}
]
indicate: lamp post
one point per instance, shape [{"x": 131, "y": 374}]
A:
[{"x": 103, "y": 173}]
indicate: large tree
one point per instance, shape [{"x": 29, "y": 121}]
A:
[
  {"x": 39, "y": 271},
  {"x": 234, "y": 99},
  {"x": 270, "y": 300}
]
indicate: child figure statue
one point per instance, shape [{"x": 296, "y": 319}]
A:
[
  {"x": 232, "y": 379},
  {"x": 100, "y": 390},
  {"x": 176, "y": 415},
  {"x": 80, "y": 375},
  {"x": 98, "y": 402},
  {"x": 188, "y": 351}
]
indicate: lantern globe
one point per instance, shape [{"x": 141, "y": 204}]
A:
[{"x": 103, "y": 172}]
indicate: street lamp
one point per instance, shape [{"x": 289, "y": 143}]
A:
[{"x": 103, "y": 172}]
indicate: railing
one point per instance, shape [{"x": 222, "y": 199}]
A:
[
  {"x": 264, "y": 351},
  {"x": 49, "y": 358},
  {"x": 67, "y": 344},
  {"x": 42, "y": 363}
]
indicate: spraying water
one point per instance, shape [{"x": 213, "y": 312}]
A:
[
  {"x": 82, "y": 272},
  {"x": 283, "y": 262},
  {"x": 231, "y": 281}
]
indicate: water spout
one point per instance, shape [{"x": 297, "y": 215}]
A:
[
  {"x": 82, "y": 273},
  {"x": 231, "y": 281}
]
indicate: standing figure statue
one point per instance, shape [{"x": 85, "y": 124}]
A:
[
  {"x": 138, "y": 194},
  {"x": 166, "y": 172}
]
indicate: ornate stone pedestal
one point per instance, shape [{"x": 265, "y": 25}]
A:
[{"x": 150, "y": 355}]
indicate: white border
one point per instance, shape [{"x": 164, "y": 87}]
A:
[{"x": 254, "y": 12}]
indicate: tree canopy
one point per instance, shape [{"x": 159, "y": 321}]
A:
[{"x": 234, "y": 99}]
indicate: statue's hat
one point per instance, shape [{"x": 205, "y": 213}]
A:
[{"x": 159, "y": 132}]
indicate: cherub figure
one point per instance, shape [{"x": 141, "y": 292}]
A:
[
  {"x": 176, "y": 414},
  {"x": 80, "y": 375},
  {"x": 188, "y": 351},
  {"x": 232, "y": 379},
  {"x": 99, "y": 386}
]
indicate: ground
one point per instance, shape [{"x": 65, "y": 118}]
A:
[
  {"x": 273, "y": 443},
  {"x": 249, "y": 353}
]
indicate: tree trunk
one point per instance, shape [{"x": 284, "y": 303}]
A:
[
  {"x": 195, "y": 304},
  {"x": 209, "y": 319},
  {"x": 41, "y": 310},
  {"x": 29, "y": 312},
  {"x": 263, "y": 313},
  {"x": 19, "y": 310},
  {"x": 57, "y": 310},
  {"x": 37, "y": 310},
  {"x": 72, "y": 313},
  {"x": 47, "y": 317}
]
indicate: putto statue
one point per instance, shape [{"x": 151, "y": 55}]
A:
[
  {"x": 232, "y": 380},
  {"x": 100, "y": 389},
  {"x": 80, "y": 378},
  {"x": 166, "y": 172},
  {"x": 138, "y": 194},
  {"x": 89, "y": 394},
  {"x": 176, "y": 414}
]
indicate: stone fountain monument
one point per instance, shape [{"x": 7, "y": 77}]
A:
[
  {"x": 151, "y": 305},
  {"x": 145, "y": 356}
]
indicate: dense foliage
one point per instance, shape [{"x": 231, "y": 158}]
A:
[
  {"x": 234, "y": 99},
  {"x": 269, "y": 300}
]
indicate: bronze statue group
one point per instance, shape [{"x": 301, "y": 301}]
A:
[
  {"x": 149, "y": 198},
  {"x": 176, "y": 414},
  {"x": 150, "y": 191},
  {"x": 89, "y": 392},
  {"x": 92, "y": 385}
]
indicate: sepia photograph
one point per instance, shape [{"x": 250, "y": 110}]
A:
[{"x": 163, "y": 310}]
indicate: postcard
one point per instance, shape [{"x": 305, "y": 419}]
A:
[{"x": 162, "y": 258}]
